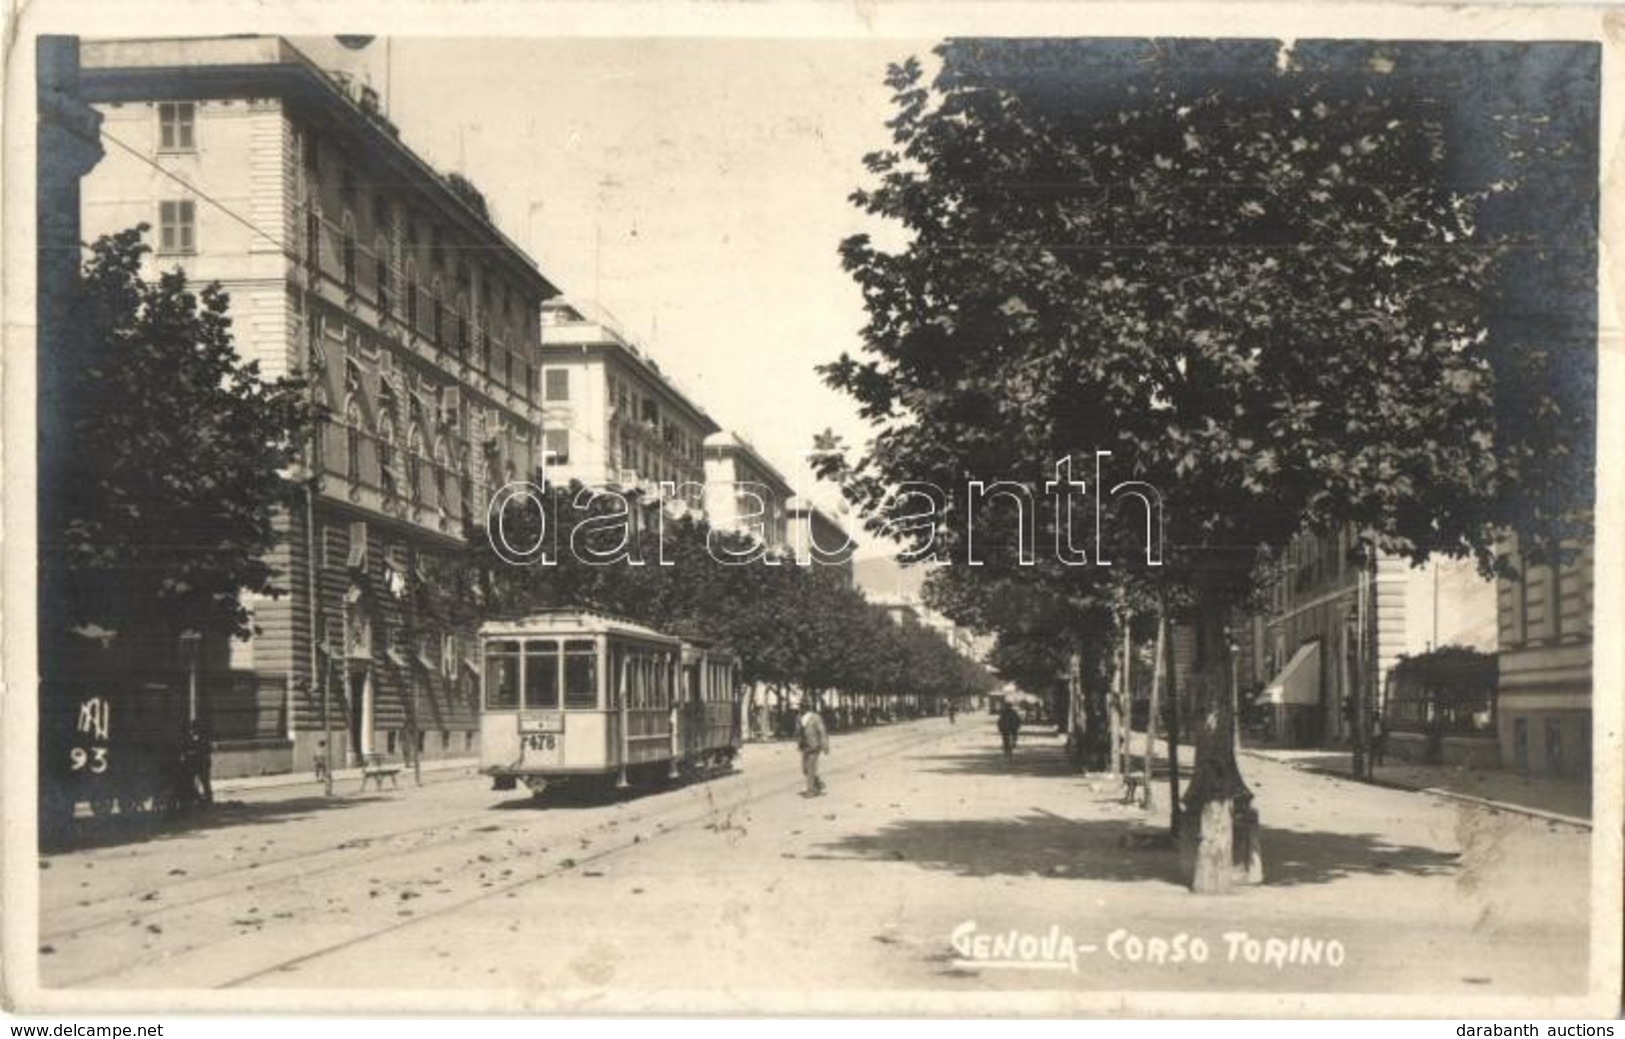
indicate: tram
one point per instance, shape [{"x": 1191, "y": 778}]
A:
[
  {"x": 115, "y": 742},
  {"x": 574, "y": 696}
]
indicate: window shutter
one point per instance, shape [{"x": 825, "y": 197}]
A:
[
  {"x": 358, "y": 544},
  {"x": 450, "y": 404}
]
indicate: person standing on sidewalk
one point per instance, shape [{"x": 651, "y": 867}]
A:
[
  {"x": 1009, "y": 725},
  {"x": 813, "y": 739}
]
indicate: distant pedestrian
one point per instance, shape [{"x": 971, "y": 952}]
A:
[
  {"x": 1379, "y": 739},
  {"x": 951, "y": 713},
  {"x": 813, "y": 738},
  {"x": 1009, "y": 726}
]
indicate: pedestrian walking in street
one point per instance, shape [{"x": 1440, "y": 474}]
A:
[
  {"x": 1379, "y": 739},
  {"x": 813, "y": 738},
  {"x": 1009, "y": 725},
  {"x": 951, "y": 713}
]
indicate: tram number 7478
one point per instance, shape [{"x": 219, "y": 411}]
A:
[{"x": 541, "y": 741}]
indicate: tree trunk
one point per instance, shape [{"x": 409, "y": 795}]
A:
[
  {"x": 1173, "y": 736},
  {"x": 1151, "y": 721},
  {"x": 1217, "y": 792},
  {"x": 1114, "y": 705}
]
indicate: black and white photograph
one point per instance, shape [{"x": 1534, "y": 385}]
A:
[{"x": 947, "y": 511}]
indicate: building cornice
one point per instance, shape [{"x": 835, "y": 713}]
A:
[
  {"x": 610, "y": 347},
  {"x": 310, "y": 90}
]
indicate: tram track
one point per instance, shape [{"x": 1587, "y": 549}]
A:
[
  {"x": 594, "y": 858},
  {"x": 491, "y": 851},
  {"x": 257, "y": 868}
]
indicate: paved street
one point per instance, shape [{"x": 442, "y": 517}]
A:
[{"x": 743, "y": 889}]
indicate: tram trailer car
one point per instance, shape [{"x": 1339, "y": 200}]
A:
[
  {"x": 113, "y": 743},
  {"x": 573, "y": 696}
]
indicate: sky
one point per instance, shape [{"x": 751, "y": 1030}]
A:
[{"x": 695, "y": 188}]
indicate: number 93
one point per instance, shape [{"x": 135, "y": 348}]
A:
[{"x": 95, "y": 760}]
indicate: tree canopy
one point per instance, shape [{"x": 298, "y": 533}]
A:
[
  {"x": 791, "y": 625},
  {"x": 175, "y": 457},
  {"x": 1261, "y": 282}
]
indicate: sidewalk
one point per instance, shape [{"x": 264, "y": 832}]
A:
[
  {"x": 1559, "y": 800},
  {"x": 344, "y": 776}
]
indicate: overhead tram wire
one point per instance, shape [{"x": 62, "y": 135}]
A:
[{"x": 281, "y": 246}]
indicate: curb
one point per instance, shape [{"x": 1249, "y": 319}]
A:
[{"x": 1449, "y": 795}]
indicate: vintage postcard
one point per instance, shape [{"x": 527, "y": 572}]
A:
[{"x": 965, "y": 509}]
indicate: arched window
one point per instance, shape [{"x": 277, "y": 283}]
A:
[
  {"x": 441, "y": 460},
  {"x": 316, "y": 329},
  {"x": 349, "y": 251},
  {"x": 465, "y": 479},
  {"x": 318, "y": 429},
  {"x": 483, "y": 487},
  {"x": 353, "y": 426},
  {"x": 386, "y": 456},
  {"x": 412, "y": 295},
  {"x": 313, "y": 230},
  {"x": 414, "y": 463},
  {"x": 438, "y": 325},
  {"x": 380, "y": 272}
]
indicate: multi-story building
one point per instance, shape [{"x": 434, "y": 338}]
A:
[
  {"x": 1543, "y": 710},
  {"x": 610, "y": 416},
  {"x": 350, "y": 260},
  {"x": 1306, "y": 646},
  {"x": 818, "y": 538},
  {"x": 1324, "y": 610},
  {"x": 745, "y": 493}
]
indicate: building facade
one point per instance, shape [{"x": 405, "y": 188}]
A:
[
  {"x": 611, "y": 417},
  {"x": 351, "y": 261},
  {"x": 1323, "y": 610},
  {"x": 1543, "y": 717},
  {"x": 745, "y": 493},
  {"x": 818, "y": 538},
  {"x": 1330, "y": 624}
]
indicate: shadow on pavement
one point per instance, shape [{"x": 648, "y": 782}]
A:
[
  {"x": 1113, "y": 849},
  {"x": 141, "y": 827},
  {"x": 1294, "y": 857},
  {"x": 1047, "y": 759},
  {"x": 1045, "y": 845},
  {"x": 600, "y": 792},
  {"x": 1039, "y": 844}
]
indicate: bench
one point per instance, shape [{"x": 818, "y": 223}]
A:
[{"x": 375, "y": 768}]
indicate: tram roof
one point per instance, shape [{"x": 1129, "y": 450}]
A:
[{"x": 570, "y": 621}]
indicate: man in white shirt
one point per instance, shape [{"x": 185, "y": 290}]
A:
[{"x": 813, "y": 739}]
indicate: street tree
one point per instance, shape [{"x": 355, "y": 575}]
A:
[
  {"x": 176, "y": 456},
  {"x": 1257, "y": 289},
  {"x": 791, "y": 625}
]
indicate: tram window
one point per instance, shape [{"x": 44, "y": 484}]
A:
[
  {"x": 501, "y": 675},
  {"x": 542, "y": 673},
  {"x": 640, "y": 682},
  {"x": 662, "y": 683},
  {"x": 581, "y": 674}
]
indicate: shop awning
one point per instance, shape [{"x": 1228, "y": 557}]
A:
[{"x": 1299, "y": 681}]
